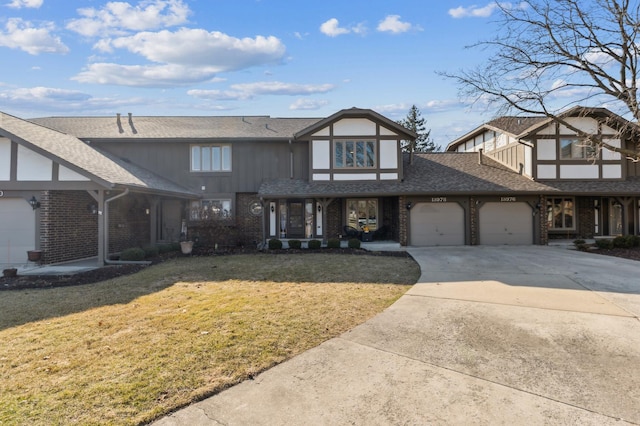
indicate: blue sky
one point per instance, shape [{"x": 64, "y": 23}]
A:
[{"x": 241, "y": 57}]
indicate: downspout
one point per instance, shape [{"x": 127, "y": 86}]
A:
[
  {"x": 106, "y": 235},
  {"x": 263, "y": 224},
  {"x": 290, "y": 160}
]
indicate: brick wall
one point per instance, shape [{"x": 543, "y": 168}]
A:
[
  {"x": 403, "y": 218},
  {"x": 473, "y": 221},
  {"x": 68, "y": 230},
  {"x": 586, "y": 217},
  {"x": 334, "y": 219}
]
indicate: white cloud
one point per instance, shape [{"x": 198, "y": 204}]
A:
[
  {"x": 308, "y": 104},
  {"x": 169, "y": 75},
  {"x": 19, "y": 4},
  {"x": 332, "y": 28},
  {"x": 20, "y": 34},
  {"x": 43, "y": 94},
  {"x": 250, "y": 90},
  {"x": 482, "y": 12},
  {"x": 182, "y": 57},
  {"x": 393, "y": 24},
  {"x": 119, "y": 18}
]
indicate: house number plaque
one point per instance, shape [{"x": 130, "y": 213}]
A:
[
  {"x": 508, "y": 199},
  {"x": 439, "y": 199}
]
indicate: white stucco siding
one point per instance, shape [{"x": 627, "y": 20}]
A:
[
  {"x": 611, "y": 171},
  {"x": 588, "y": 171},
  {"x": 5, "y": 159},
  {"x": 354, "y": 126},
  {"x": 388, "y": 154},
  {"x": 548, "y": 130},
  {"x": 546, "y": 149},
  {"x": 611, "y": 155},
  {"x": 386, "y": 132},
  {"x": 547, "y": 171},
  {"x": 33, "y": 166},
  {"x": 323, "y": 132},
  {"x": 321, "y": 176},
  {"x": 388, "y": 176},
  {"x": 354, "y": 176},
  {"x": 321, "y": 154},
  {"x": 68, "y": 175},
  {"x": 585, "y": 124}
]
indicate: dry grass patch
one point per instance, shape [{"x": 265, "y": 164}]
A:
[{"x": 128, "y": 350}]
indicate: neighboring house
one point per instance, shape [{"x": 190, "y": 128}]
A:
[
  {"x": 588, "y": 194},
  {"x": 99, "y": 185}
]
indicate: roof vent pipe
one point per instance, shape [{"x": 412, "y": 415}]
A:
[
  {"x": 118, "y": 118},
  {"x": 480, "y": 156}
]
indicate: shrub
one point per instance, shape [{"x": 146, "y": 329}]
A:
[
  {"x": 164, "y": 248},
  {"x": 275, "y": 244},
  {"x": 333, "y": 243},
  {"x": 621, "y": 242},
  {"x": 295, "y": 244},
  {"x": 175, "y": 246},
  {"x": 354, "y": 243},
  {"x": 604, "y": 244},
  {"x": 581, "y": 245},
  {"x": 633, "y": 240},
  {"x": 134, "y": 253},
  {"x": 151, "y": 251},
  {"x": 315, "y": 244}
]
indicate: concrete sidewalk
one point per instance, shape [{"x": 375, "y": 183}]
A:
[{"x": 489, "y": 335}]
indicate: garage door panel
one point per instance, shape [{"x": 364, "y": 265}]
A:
[
  {"x": 437, "y": 224},
  {"x": 506, "y": 224},
  {"x": 17, "y": 230}
]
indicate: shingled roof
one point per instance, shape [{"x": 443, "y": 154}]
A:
[
  {"x": 172, "y": 128},
  {"x": 430, "y": 174},
  {"x": 71, "y": 152}
]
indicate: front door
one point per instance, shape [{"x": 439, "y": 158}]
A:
[{"x": 296, "y": 219}]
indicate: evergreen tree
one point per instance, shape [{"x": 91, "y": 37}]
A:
[{"x": 414, "y": 121}]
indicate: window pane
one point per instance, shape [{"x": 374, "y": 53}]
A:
[
  {"x": 206, "y": 158},
  {"x": 352, "y": 213},
  {"x": 215, "y": 153},
  {"x": 195, "y": 158},
  {"x": 226, "y": 158},
  {"x": 372, "y": 220},
  {"x": 360, "y": 154},
  {"x": 339, "y": 154},
  {"x": 371, "y": 154},
  {"x": 557, "y": 212},
  {"x": 568, "y": 213},
  {"x": 349, "y": 154}
]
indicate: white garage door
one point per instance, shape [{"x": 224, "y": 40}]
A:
[
  {"x": 506, "y": 223},
  {"x": 437, "y": 224},
  {"x": 17, "y": 230}
]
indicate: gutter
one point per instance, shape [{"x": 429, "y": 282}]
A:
[{"x": 106, "y": 235}]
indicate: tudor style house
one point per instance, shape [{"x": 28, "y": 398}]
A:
[
  {"x": 90, "y": 187},
  {"x": 588, "y": 193}
]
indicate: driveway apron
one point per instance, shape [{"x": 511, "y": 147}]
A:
[{"x": 489, "y": 335}]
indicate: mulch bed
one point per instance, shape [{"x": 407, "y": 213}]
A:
[
  {"x": 114, "y": 271},
  {"x": 627, "y": 253}
]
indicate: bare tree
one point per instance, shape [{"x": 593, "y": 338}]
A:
[{"x": 551, "y": 55}]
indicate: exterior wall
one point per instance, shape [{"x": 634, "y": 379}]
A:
[
  {"x": 388, "y": 159},
  {"x": 334, "y": 219},
  {"x": 68, "y": 230},
  {"x": 252, "y": 163},
  {"x": 129, "y": 223},
  {"x": 549, "y": 164},
  {"x": 403, "y": 221}
]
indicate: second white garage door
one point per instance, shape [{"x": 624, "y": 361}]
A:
[
  {"x": 17, "y": 230},
  {"x": 437, "y": 224},
  {"x": 506, "y": 223}
]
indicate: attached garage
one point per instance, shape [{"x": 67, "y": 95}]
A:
[
  {"x": 17, "y": 230},
  {"x": 508, "y": 223},
  {"x": 437, "y": 224}
]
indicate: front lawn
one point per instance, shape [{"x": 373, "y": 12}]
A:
[{"x": 128, "y": 350}]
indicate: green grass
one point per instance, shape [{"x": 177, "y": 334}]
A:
[{"x": 128, "y": 350}]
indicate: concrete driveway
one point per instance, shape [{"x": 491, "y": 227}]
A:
[{"x": 489, "y": 335}]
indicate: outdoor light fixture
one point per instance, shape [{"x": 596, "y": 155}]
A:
[
  {"x": 409, "y": 205},
  {"x": 92, "y": 208},
  {"x": 35, "y": 204}
]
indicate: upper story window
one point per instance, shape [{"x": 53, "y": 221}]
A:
[
  {"x": 211, "y": 158},
  {"x": 575, "y": 149},
  {"x": 355, "y": 154}
]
